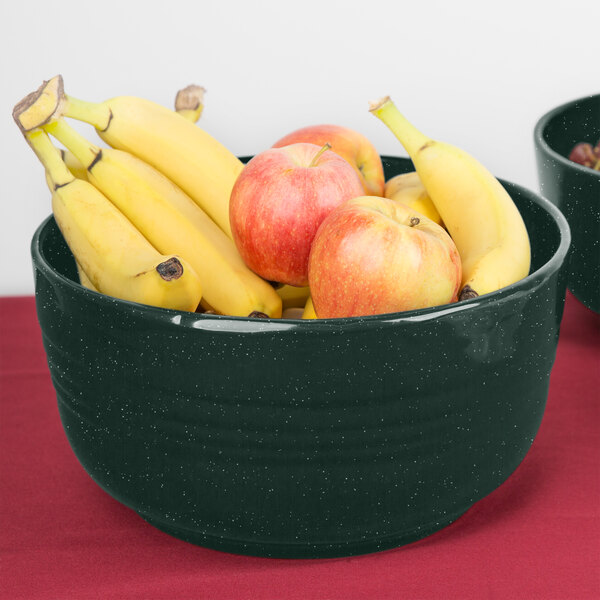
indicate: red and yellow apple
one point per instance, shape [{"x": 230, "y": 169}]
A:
[
  {"x": 373, "y": 255},
  {"x": 278, "y": 202},
  {"x": 349, "y": 144}
]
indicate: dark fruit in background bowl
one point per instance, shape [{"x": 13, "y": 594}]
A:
[{"x": 587, "y": 155}]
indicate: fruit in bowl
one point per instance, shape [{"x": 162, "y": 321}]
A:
[
  {"x": 349, "y": 144},
  {"x": 478, "y": 212},
  {"x": 278, "y": 202},
  {"x": 158, "y": 210},
  {"x": 372, "y": 255}
]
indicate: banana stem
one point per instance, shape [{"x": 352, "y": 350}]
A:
[
  {"x": 189, "y": 102},
  {"x": 84, "y": 150},
  {"x": 50, "y": 157},
  {"x": 408, "y": 135},
  {"x": 97, "y": 114},
  {"x": 41, "y": 106}
]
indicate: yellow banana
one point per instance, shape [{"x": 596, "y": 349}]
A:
[
  {"x": 117, "y": 258},
  {"x": 481, "y": 217},
  {"x": 408, "y": 188},
  {"x": 189, "y": 103},
  {"x": 309, "y": 310},
  {"x": 191, "y": 158},
  {"x": 83, "y": 278},
  {"x": 73, "y": 164},
  {"x": 172, "y": 222},
  {"x": 293, "y": 297}
]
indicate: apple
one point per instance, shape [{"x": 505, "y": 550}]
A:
[
  {"x": 278, "y": 202},
  {"x": 408, "y": 188},
  {"x": 373, "y": 255},
  {"x": 349, "y": 144}
]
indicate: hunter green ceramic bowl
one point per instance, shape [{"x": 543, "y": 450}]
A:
[
  {"x": 573, "y": 188},
  {"x": 304, "y": 438}
]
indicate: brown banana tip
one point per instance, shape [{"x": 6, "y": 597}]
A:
[
  {"x": 32, "y": 121},
  {"x": 377, "y": 104},
  {"x": 170, "y": 269},
  {"x": 467, "y": 293},
  {"x": 258, "y": 315},
  {"x": 190, "y": 97}
]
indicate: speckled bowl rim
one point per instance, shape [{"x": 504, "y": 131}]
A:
[
  {"x": 247, "y": 325},
  {"x": 540, "y": 127}
]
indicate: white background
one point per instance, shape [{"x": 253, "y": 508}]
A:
[{"x": 475, "y": 74}]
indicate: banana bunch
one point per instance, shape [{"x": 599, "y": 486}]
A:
[
  {"x": 114, "y": 255},
  {"x": 192, "y": 159},
  {"x": 160, "y": 213}
]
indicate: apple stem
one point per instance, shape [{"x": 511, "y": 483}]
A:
[
  {"x": 326, "y": 147},
  {"x": 414, "y": 221}
]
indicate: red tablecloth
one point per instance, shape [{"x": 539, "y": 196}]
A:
[{"x": 536, "y": 537}]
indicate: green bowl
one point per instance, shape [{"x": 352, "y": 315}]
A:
[
  {"x": 288, "y": 438},
  {"x": 574, "y": 189}
]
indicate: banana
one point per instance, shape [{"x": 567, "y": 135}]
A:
[
  {"x": 309, "y": 310},
  {"x": 172, "y": 222},
  {"x": 117, "y": 258},
  {"x": 189, "y": 103},
  {"x": 408, "y": 188},
  {"x": 481, "y": 217},
  {"x": 73, "y": 164},
  {"x": 84, "y": 280},
  {"x": 191, "y": 158},
  {"x": 292, "y": 296}
]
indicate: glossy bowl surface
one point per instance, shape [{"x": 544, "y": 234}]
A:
[
  {"x": 304, "y": 438},
  {"x": 573, "y": 188}
]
